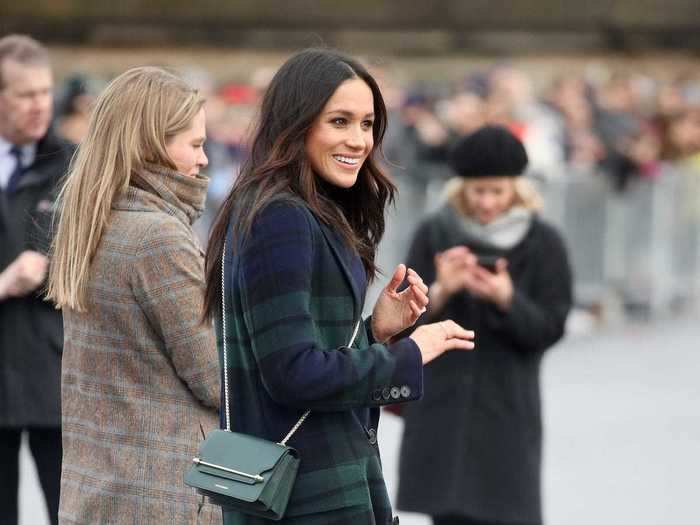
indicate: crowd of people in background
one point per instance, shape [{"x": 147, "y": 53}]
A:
[
  {"x": 625, "y": 125},
  {"x": 622, "y": 124},
  {"x": 596, "y": 123}
]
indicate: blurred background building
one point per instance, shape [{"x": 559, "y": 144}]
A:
[{"x": 605, "y": 96}]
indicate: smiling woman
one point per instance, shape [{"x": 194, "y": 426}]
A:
[
  {"x": 301, "y": 228},
  {"x": 341, "y": 137}
]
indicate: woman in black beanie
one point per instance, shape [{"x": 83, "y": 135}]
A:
[{"x": 471, "y": 452}]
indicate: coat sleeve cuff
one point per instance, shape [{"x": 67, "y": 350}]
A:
[{"x": 406, "y": 383}]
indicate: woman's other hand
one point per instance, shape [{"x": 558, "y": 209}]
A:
[
  {"x": 496, "y": 287},
  {"x": 451, "y": 271},
  {"x": 435, "y": 339},
  {"x": 395, "y": 311}
]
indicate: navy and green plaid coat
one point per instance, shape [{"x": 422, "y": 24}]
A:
[{"x": 291, "y": 307}]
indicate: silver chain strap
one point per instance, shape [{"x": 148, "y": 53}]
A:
[
  {"x": 223, "y": 328},
  {"x": 223, "y": 337}
]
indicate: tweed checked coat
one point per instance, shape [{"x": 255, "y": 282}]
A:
[
  {"x": 291, "y": 306},
  {"x": 140, "y": 373}
]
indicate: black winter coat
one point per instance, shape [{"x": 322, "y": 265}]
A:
[
  {"x": 472, "y": 445},
  {"x": 31, "y": 330}
]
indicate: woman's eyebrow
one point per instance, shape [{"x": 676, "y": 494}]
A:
[{"x": 346, "y": 113}]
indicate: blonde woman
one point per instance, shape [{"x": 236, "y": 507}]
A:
[
  {"x": 494, "y": 265},
  {"x": 140, "y": 378}
]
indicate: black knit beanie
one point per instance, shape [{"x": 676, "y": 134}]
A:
[{"x": 489, "y": 151}]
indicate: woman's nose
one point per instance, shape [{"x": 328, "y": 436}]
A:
[
  {"x": 486, "y": 203},
  {"x": 355, "y": 139}
]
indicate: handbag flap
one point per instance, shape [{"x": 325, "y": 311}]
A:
[{"x": 240, "y": 452}]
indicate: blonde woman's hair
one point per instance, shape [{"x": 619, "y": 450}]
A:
[
  {"x": 526, "y": 195},
  {"x": 131, "y": 123}
]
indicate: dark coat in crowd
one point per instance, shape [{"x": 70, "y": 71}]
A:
[
  {"x": 472, "y": 445},
  {"x": 31, "y": 330},
  {"x": 294, "y": 294}
]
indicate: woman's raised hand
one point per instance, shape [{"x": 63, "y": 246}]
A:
[
  {"x": 451, "y": 266},
  {"x": 435, "y": 339},
  {"x": 395, "y": 311},
  {"x": 451, "y": 270}
]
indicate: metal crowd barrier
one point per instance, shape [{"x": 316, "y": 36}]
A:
[{"x": 641, "y": 245}]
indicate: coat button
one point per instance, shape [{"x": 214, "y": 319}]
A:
[
  {"x": 406, "y": 391},
  {"x": 395, "y": 392},
  {"x": 386, "y": 393},
  {"x": 372, "y": 436},
  {"x": 377, "y": 394}
]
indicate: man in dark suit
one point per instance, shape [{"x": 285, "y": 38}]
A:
[{"x": 32, "y": 161}]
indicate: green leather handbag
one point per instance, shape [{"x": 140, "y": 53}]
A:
[
  {"x": 249, "y": 474},
  {"x": 242, "y": 472}
]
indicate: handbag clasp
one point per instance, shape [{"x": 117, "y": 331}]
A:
[{"x": 255, "y": 477}]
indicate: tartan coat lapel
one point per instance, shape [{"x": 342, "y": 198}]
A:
[{"x": 335, "y": 243}]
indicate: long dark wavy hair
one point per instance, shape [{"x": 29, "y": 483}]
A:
[{"x": 277, "y": 164}]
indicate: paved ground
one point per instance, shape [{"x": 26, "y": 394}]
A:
[{"x": 622, "y": 430}]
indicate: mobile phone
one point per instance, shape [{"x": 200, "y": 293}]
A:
[{"x": 487, "y": 261}]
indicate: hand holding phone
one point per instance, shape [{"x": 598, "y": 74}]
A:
[{"x": 491, "y": 281}]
